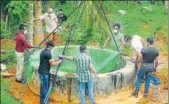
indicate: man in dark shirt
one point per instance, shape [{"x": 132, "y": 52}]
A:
[
  {"x": 21, "y": 46},
  {"x": 44, "y": 68},
  {"x": 61, "y": 16},
  {"x": 149, "y": 65}
]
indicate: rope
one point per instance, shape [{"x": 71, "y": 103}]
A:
[
  {"x": 55, "y": 76},
  {"x": 30, "y": 53},
  {"x": 109, "y": 25},
  {"x": 122, "y": 60}
]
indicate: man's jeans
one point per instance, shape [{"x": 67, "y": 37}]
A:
[
  {"x": 140, "y": 76},
  {"x": 44, "y": 86},
  {"x": 90, "y": 91},
  {"x": 20, "y": 65}
]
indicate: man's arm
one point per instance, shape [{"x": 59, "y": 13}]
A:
[
  {"x": 92, "y": 69},
  {"x": 143, "y": 42},
  {"x": 155, "y": 64},
  {"x": 56, "y": 20},
  {"x": 122, "y": 41},
  {"x": 106, "y": 42},
  {"x": 138, "y": 59},
  {"x": 55, "y": 62},
  {"x": 42, "y": 17},
  {"x": 67, "y": 57},
  {"x": 26, "y": 45}
]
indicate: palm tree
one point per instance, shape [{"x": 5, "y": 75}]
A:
[
  {"x": 30, "y": 34},
  {"x": 38, "y": 32}
]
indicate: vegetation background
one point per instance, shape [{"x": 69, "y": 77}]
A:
[{"x": 144, "y": 19}]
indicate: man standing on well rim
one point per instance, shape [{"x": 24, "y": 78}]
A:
[
  {"x": 149, "y": 65},
  {"x": 118, "y": 36},
  {"x": 51, "y": 23},
  {"x": 44, "y": 68}
]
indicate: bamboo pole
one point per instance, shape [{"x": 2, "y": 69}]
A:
[{"x": 38, "y": 33}]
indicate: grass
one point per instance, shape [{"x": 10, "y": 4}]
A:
[
  {"x": 8, "y": 58},
  {"x": 137, "y": 21},
  {"x": 6, "y": 97}
]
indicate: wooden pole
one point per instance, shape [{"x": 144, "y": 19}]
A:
[{"x": 38, "y": 32}]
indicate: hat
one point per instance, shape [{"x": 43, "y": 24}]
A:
[{"x": 50, "y": 43}]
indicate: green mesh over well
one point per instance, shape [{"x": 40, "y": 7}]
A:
[{"x": 104, "y": 60}]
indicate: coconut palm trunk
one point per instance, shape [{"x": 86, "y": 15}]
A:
[
  {"x": 30, "y": 32},
  {"x": 166, "y": 5},
  {"x": 38, "y": 32}
]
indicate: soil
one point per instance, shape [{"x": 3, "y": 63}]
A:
[{"x": 121, "y": 97}]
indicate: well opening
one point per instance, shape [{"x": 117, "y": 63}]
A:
[{"x": 112, "y": 69}]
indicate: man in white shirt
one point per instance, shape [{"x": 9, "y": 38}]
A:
[
  {"x": 51, "y": 22},
  {"x": 137, "y": 43}
]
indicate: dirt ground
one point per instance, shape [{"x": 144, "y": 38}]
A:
[{"x": 121, "y": 97}]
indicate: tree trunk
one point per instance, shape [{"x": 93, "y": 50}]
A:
[
  {"x": 38, "y": 33},
  {"x": 30, "y": 32},
  {"x": 6, "y": 21},
  {"x": 166, "y": 5}
]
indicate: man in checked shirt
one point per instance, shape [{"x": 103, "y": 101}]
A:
[{"x": 84, "y": 73}]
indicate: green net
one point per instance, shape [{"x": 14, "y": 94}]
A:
[
  {"x": 89, "y": 27},
  {"x": 104, "y": 60}
]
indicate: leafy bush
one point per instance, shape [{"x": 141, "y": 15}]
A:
[{"x": 4, "y": 33}]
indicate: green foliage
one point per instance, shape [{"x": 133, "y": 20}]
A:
[
  {"x": 132, "y": 23},
  {"x": 18, "y": 13},
  {"x": 137, "y": 20},
  {"x": 4, "y": 33},
  {"x": 9, "y": 59},
  {"x": 6, "y": 98},
  {"x": 20, "y": 9},
  {"x": 136, "y": 17}
]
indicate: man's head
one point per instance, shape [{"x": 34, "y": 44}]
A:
[
  {"x": 50, "y": 10},
  {"x": 60, "y": 10},
  {"x": 116, "y": 28},
  {"x": 150, "y": 40},
  {"x": 83, "y": 48},
  {"x": 60, "y": 13},
  {"x": 127, "y": 38},
  {"x": 23, "y": 28},
  {"x": 50, "y": 44}
]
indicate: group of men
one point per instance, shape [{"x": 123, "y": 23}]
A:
[
  {"x": 145, "y": 55},
  {"x": 52, "y": 21},
  {"x": 146, "y": 59}
]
